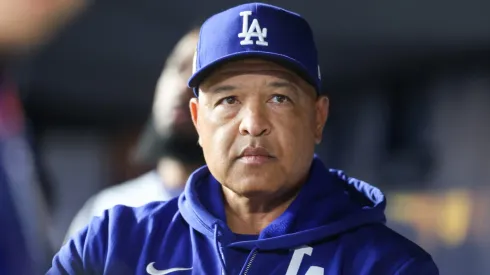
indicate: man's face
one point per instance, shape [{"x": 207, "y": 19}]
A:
[
  {"x": 24, "y": 22},
  {"x": 258, "y": 124}
]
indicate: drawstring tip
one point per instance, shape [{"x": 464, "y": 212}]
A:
[{"x": 219, "y": 250}]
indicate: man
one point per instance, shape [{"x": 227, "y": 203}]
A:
[
  {"x": 170, "y": 140},
  {"x": 24, "y": 246},
  {"x": 264, "y": 204}
]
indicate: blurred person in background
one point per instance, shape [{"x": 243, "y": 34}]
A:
[
  {"x": 23, "y": 208},
  {"x": 169, "y": 140},
  {"x": 28, "y": 23},
  {"x": 24, "y": 246}
]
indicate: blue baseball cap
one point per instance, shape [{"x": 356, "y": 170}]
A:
[{"x": 256, "y": 30}]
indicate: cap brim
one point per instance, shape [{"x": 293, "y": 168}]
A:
[{"x": 285, "y": 61}]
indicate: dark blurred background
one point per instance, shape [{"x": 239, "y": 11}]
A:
[{"x": 409, "y": 84}]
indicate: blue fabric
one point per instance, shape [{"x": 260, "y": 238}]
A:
[
  {"x": 15, "y": 257},
  {"x": 278, "y": 35},
  {"x": 335, "y": 225}
]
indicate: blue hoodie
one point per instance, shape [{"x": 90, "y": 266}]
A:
[{"x": 334, "y": 226}]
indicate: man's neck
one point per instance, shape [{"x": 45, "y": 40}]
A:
[
  {"x": 174, "y": 173},
  {"x": 250, "y": 216}
]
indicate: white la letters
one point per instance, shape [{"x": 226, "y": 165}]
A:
[
  {"x": 253, "y": 31},
  {"x": 315, "y": 270},
  {"x": 296, "y": 260}
]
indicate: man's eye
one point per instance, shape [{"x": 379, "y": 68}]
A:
[
  {"x": 280, "y": 99},
  {"x": 228, "y": 100}
]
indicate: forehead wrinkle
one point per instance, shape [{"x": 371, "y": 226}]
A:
[
  {"x": 260, "y": 84},
  {"x": 220, "y": 79},
  {"x": 251, "y": 67},
  {"x": 280, "y": 73}
]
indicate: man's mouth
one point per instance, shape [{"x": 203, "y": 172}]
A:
[{"x": 255, "y": 155}]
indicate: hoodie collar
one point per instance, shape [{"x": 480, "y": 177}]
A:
[{"x": 328, "y": 203}]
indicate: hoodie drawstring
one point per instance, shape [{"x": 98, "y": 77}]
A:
[{"x": 218, "y": 250}]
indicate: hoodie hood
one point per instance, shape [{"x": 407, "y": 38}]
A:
[{"x": 328, "y": 204}]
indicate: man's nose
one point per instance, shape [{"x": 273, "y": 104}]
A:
[{"x": 254, "y": 121}]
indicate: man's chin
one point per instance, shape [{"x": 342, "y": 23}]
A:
[{"x": 254, "y": 189}]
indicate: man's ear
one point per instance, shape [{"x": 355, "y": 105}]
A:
[
  {"x": 194, "y": 108},
  {"x": 322, "y": 106}
]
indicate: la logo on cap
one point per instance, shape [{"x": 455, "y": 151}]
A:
[{"x": 253, "y": 31}]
